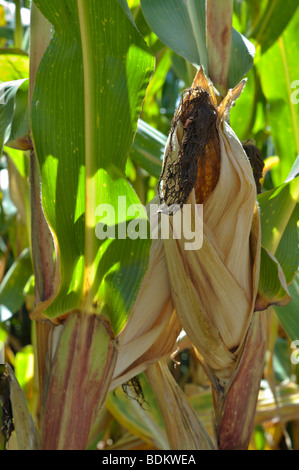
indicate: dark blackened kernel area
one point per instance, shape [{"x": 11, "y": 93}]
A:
[
  {"x": 256, "y": 161},
  {"x": 198, "y": 118},
  {"x": 6, "y": 416}
]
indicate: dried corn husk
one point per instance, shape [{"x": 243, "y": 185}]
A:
[
  {"x": 184, "y": 430},
  {"x": 213, "y": 288},
  {"x": 25, "y": 435},
  {"x": 153, "y": 326}
]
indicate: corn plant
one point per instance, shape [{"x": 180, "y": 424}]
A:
[{"x": 132, "y": 237}]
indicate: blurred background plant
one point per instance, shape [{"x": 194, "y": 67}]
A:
[{"x": 267, "y": 112}]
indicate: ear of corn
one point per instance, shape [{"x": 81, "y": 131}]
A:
[{"x": 214, "y": 288}]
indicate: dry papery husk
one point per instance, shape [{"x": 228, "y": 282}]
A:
[
  {"x": 153, "y": 327},
  {"x": 214, "y": 287}
]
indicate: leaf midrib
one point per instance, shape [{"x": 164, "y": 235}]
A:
[
  {"x": 288, "y": 88},
  {"x": 266, "y": 20},
  {"x": 90, "y": 146}
]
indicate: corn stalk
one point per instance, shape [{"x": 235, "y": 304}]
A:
[{"x": 219, "y": 40}]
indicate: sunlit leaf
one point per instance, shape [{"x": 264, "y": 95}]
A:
[
  {"x": 276, "y": 207},
  {"x": 83, "y": 155},
  {"x": 272, "y": 285},
  {"x": 14, "y": 117},
  {"x": 14, "y": 65},
  {"x": 19, "y": 159},
  {"x": 279, "y": 72},
  {"x": 247, "y": 105},
  {"x": 279, "y": 215},
  {"x": 12, "y": 286},
  {"x": 287, "y": 252},
  {"x": 289, "y": 315},
  {"x": 24, "y": 366},
  {"x": 273, "y": 21},
  {"x": 13, "y": 111}
]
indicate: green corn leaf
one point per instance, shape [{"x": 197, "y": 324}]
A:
[
  {"x": 294, "y": 170},
  {"x": 181, "y": 26},
  {"x": 12, "y": 286},
  {"x": 171, "y": 22},
  {"x": 287, "y": 252},
  {"x": 148, "y": 148},
  {"x": 279, "y": 72},
  {"x": 24, "y": 366},
  {"x": 289, "y": 315},
  {"x": 272, "y": 286},
  {"x": 13, "y": 111},
  {"x": 14, "y": 65},
  {"x": 242, "y": 55},
  {"x": 281, "y": 360},
  {"x": 279, "y": 216},
  {"x": 19, "y": 159},
  {"x": 288, "y": 255},
  {"x": 86, "y": 102},
  {"x": 273, "y": 21},
  {"x": 276, "y": 207},
  {"x": 14, "y": 115},
  {"x": 6, "y": 32}
]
